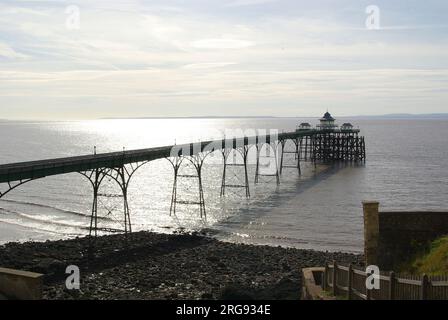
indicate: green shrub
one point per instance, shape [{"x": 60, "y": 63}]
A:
[{"x": 435, "y": 262}]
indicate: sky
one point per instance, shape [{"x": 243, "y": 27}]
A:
[{"x": 85, "y": 59}]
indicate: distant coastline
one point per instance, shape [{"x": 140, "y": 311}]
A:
[
  {"x": 392, "y": 116},
  {"x": 439, "y": 116},
  {"x": 384, "y": 116}
]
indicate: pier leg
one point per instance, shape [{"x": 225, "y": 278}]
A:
[
  {"x": 277, "y": 172},
  {"x": 282, "y": 143},
  {"x": 201, "y": 196},
  {"x": 95, "y": 177},
  {"x": 124, "y": 183},
  {"x": 225, "y": 154},
  {"x": 314, "y": 151},
  {"x": 257, "y": 167},
  {"x": 94, "y": 217},
  {"x": 246, "y": 174},
  {"x": 122, "y": 176},
  {"x": 176, "y": 163},
  {"x": 296, "y": 153},
  {"x": 244, "y": 152},
  {"x": 272, "y": 147},
  {"x": 197, "y": 161},
  {"x": 306, "y": 148}
]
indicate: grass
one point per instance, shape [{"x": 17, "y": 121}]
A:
[
  {"x": 434, "y": 262},
  {"x": 329, "y": 294}
]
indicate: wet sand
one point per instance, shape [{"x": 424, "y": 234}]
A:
[{"x": 147, "y": 265}]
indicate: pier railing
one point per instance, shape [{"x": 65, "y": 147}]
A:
[{"x": 349, "y": 281}]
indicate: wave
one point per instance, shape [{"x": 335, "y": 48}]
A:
[
  {"x": 220, "y": 232},
  {"x": 54, "y": 208},
  {"x": 45, "y": 221},
  {"x": 33, "y": 228}
]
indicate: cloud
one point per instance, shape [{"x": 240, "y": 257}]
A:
[
  {"x": 8, "y": 52},
  {"x": 222, "y": 44},
  {"x": 201, "y": 66},
  {"x": 133, "y": 56},
  {"x": 241, "y": 3},
  {"x": 414, "y": 27}
]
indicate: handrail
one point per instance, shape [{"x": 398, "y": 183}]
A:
[{"x": 41, "y": 168}]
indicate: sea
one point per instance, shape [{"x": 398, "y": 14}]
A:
[{"x": 321, "y": 209}]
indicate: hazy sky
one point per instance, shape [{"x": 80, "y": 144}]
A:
[{"x": 221, "y": 57}]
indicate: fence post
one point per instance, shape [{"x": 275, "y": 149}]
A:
[
  {"x": 425, "y": 288},
  {"x": 350, "y": 269},
  {"x": 335, "y": 267},
  {"x": 392, "y": 286},
  {"x": 325, "y": 277},
  {"x": 367, "y": 289}
]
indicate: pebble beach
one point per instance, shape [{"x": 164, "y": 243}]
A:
[{"x": 151, "y": 266}]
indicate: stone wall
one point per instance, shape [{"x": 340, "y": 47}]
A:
[
  {"x": 21, "y": 285},
  {"x": 391, "y": 238}
]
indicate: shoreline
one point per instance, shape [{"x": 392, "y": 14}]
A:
[{"x": 146, "y": 265}]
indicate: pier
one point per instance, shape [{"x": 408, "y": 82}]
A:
[{"x": 326, "y": 143}]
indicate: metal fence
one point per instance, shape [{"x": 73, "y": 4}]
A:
[{"x": 350, "y": 281}]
